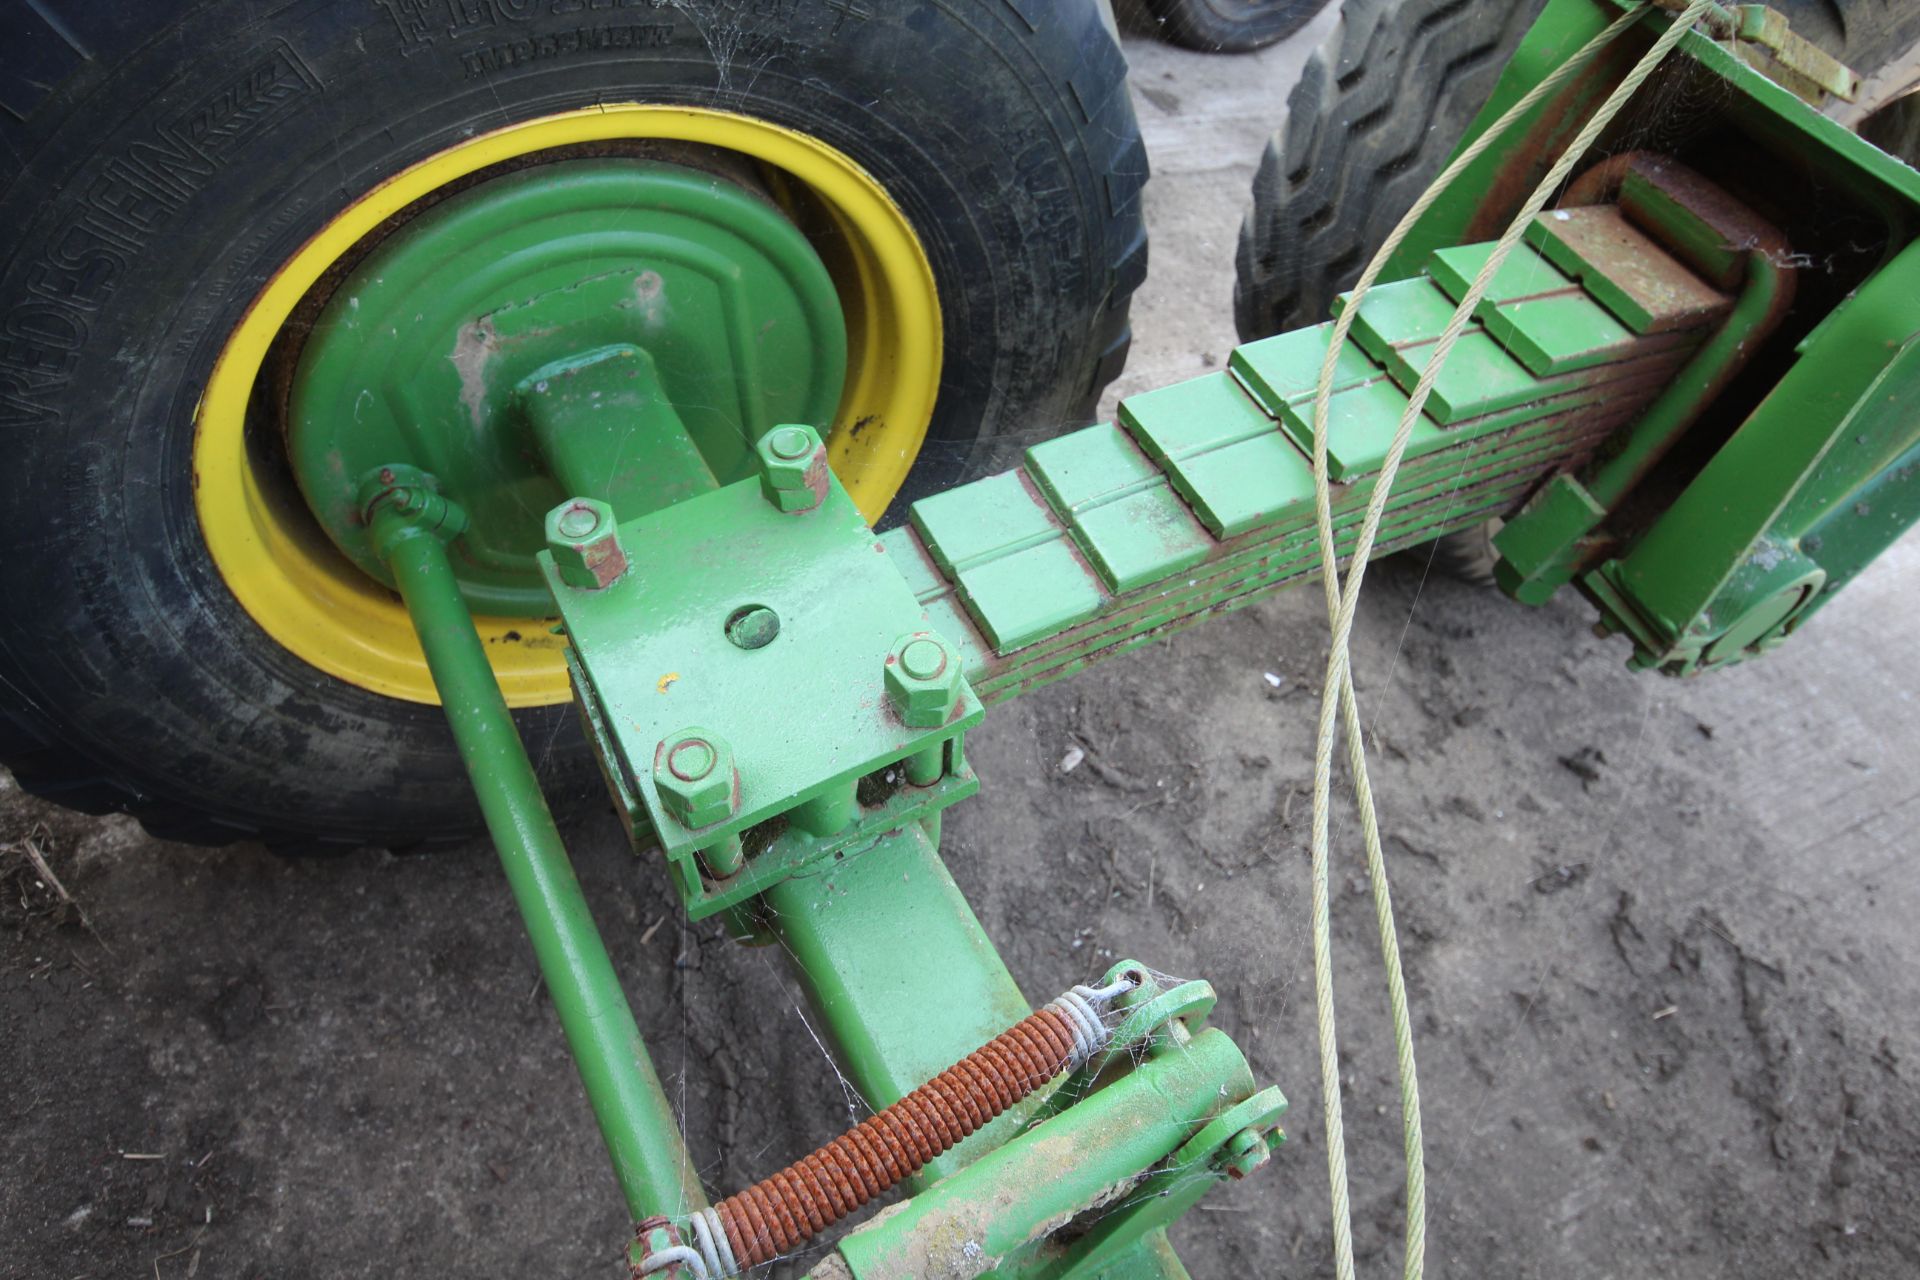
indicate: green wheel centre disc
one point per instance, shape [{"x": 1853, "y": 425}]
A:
[{"x": 613, "y": 324}]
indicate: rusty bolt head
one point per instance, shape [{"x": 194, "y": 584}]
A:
[
  {"x": 793, "y": 468},
  {"x": 585, "y": 543},
  {"x": 924, "y": 680},
  {"x": 693, "y": 771}
]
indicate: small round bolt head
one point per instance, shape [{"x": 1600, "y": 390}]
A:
[
  {"x": 694, "y": 774},
  {"x": 691, "y": 760},
  {"x": 923, "y": 659},
  {"x": 790, "y": 444},
  {"x": 752, "y": 626},
  {"x": 585, "y": 542},
  {"x": 923, "y": 680},
  {"x": 578, "y": 519}
]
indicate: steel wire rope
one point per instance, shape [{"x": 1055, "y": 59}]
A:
[{"x": 1339, "y": 707}]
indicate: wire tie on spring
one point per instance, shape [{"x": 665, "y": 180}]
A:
[
  {"x": 679, "y": 1254},
  {"x": 1090, "y": 1033},
  {"x": 715, "y": 1249},
  {"x": 1118, "y": 987}
]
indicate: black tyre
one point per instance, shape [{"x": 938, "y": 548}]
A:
[
  {"x": 163, "y": 158},
  {"x": 1231, "y": 26},
  {"x": 1381, "y": 106},
  {"x": 1377, "y": 111}
]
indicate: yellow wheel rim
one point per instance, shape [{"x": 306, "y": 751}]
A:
[{"x": 314, "y": 602}]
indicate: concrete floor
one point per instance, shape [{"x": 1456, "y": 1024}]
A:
[{"x": 1666, "y": 1003}]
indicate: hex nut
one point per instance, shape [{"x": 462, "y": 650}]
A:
[
  {"x": 793, "y": 468},
  {"x": 924, "y": 680},
  {"x": 694, "y": 772},
  {"x": 585, "y": 542}
]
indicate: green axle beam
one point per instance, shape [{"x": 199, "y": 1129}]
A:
[{"x": 901, "y": 973}]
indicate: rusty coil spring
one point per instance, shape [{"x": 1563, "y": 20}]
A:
[{"x": 777, "y": 1214}]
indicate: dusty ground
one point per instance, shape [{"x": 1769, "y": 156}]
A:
[{"x": 1658, "y": 934}]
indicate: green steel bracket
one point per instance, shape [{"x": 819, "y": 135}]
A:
[
  {"x": 1784, "y": 516},
  {"x": 1816, "y": 441},
  {"x": 1547, "y": 543},
  {"x": 1233, "y": 1144},
  {"x": 762, "y": 687},
  {"x": 1083, "y": 1189},
  {"x": 1822, "y": 466}
]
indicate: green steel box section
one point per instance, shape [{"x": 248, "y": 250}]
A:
[
  {"x": 1193, "y": 416},
  {"x": 1285, "y": 369},
  {"x": 1360, "y": 425},
  {"x": 1559, "y": 333},
  {"x": 1252, "y": 483},
  {"x": 979, "y": 521},
  {"x": 1085, "y": 468},
  {"x": 1018, "y": 574},
  {"x": 1399, "y": 325},
  {"x": 1406, "y": 313},
  {"x": 804, "y": 714},
  {"x": 1119, "y": 507},
  {"x": 1525, "y": 274},
  {"x": 1141, "y": 537},
  {"x": 1030, "y": 594},
  {"x": 1223, "y": 452},
  {"x": 1479, "y": 378},
  {"x": 1624, "y": 269},
  {"x": 1536, "y": 312}
]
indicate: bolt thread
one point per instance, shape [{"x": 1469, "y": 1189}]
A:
[{"x": 778, "y": 1214}]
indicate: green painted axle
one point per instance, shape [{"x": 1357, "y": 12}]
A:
[{"x": 410, "y": 525}]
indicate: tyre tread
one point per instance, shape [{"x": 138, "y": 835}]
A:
[{"x": 1377, "y": 110}]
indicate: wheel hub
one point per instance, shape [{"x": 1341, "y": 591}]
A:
[{"x": 610, "y": 328}]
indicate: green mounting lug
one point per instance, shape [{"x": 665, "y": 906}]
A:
[
  {"x": 605, "y": 427},
  {"x": 413, "y": 495},
  {"x": 585, "y": 543},
  {"x": 694, "y": 772},
  {"x": 924, "y": 678},
  {"x": 793, "y": 468},
  {"x": 1540, "y": 547}
]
